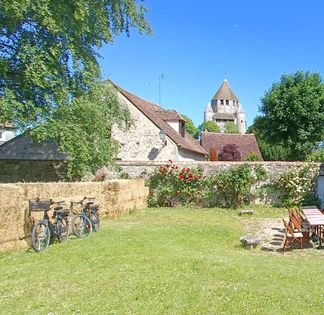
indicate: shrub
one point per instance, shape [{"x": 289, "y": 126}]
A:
[
  {"x": 252, "y": 156},
  {"x": 171, "y": 186},
  {"x": 229, "y": 152},
  {"x": 213, "y": 154},
  {"x": 317, "y": 156},
  {"x": 234, "y": 186},
  {"x": 298, "y": 186}
]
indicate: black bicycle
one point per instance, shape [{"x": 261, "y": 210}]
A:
[
  {"x": 81, "y": 224},
  {"x": 45, "y": 228},
  {"x": 92, "y": 212}
]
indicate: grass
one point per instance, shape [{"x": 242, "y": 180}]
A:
[{"x": 163, "y": 261}]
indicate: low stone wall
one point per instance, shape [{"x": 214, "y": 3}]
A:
[
  {"x": 13, "y": 171},
  {"x": 273, "y": 168},
  {"x": 115, "y": 197}
]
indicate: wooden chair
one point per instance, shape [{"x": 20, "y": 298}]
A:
[
  {"x": 297, "y": 222},
  {"x": 292, "y": 236}
]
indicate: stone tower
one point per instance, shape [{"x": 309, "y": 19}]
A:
[{"x": 226, "y": 107}]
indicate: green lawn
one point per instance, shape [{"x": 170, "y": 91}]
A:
[{"x": 163, "y": 261}]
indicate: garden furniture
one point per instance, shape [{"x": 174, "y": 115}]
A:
[
  {"x": 292, "y": 236},
  {"x": 315, "y": 219}
]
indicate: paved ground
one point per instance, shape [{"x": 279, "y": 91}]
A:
[{"x": 272, "y": 234}]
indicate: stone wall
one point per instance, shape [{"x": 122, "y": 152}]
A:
[
  {"x": 115, "y": 197},
  {"x": 273, "y": 168},
  {"x": 13, "y": 171}
]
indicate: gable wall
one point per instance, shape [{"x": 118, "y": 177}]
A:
[{"x": 141, "y": 142}]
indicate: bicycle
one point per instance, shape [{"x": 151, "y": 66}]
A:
[
  {"x": 81, "y": 224},
  {"x": 44, "y": 228},
  {"x": 93, "y": 213}
]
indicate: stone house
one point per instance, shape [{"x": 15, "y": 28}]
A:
[
  {"x": 246, "y": 143},
  {"x": 144, "y": 141}
]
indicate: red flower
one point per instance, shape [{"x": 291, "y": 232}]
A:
[
  {"x": 188, "y": 169},
  {"x": 181, "y": 176}
]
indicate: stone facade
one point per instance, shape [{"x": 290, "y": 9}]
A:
[
  {"x": 142, "y": 142},
  {"x": 114, "y": 197}
]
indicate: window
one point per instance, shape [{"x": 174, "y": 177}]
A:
[
  {"x": 222, "y": 102},
  {"x": 0, "y": 135},
  {"x": 227, "y": 102}
]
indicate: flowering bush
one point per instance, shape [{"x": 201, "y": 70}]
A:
[
  {"x": 298, "y": 187},
  {"x": 234, "y": 186},
  {"x": 172, "y": 185}
]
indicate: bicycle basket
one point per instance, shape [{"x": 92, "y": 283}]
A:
[{"x": 39, "y": 204}]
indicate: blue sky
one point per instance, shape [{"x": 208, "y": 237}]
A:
[{"x": 195, "y": 43}]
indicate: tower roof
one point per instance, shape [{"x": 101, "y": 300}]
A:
[{"x": 225, "y": 92}]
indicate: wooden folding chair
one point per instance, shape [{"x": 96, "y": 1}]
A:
[
  {"x": 292, "y": 236},
  {"x": 297, "y": 222}
]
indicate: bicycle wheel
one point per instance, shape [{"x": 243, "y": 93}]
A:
[
  {"x": 95, "y": 220},
  {"x": 81, "y": 226},
  {"x": 41, "y": 236},
  {"x": 62, "y": 228}
]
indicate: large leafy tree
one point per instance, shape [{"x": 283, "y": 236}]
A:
[
  {"x": 48, "y": 51},
  {"x": 209, "y": 126},
  {"x": 50, "y": 77},
  {"x": 190, "y": 127},
  {"x": 293, "y": 114}
]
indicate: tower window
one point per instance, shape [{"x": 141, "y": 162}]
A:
[
  {"x": 227, "y": 102},
  {"x": 222, "y": 102}
]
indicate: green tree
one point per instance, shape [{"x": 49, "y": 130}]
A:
[
  {"x": 230, "y": 127},
  {"x": 269, "y": 151},
  {"x": 209, "y": 126},
  {"x": 83, "y": 130},
  {"x": 293, "y": 114},
  {"x": 190, "y": 127},
  {"x": 49, "y": 50}
]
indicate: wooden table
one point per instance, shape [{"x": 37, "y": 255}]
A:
[{"x": 316, "y": 219}]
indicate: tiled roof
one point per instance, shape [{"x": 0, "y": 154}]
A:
[
  {"x": 225, "y": 92},
  {"x": 246, "y": 143},
  {"x": 169, "y": 115},
  {"x": 23, "y": 148},
  {"x": 156, "y": 114}
]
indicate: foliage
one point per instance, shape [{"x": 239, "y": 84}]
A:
[
  {"x": 213, "y": 154},
  {"x": 83, "y": 130},
  {"x": 171, "y": 186},
  {"x": 190, "y": 127},
  {"x": 252, "y": 156},
  {"x": 230, "y": 127},
  {"x": 229, "y": 152},
  {"x": 316, "y": 156},
  {"x": 269, "y": 152},
  {"x": 234, "y": 186},
  {"x": 209, "y": 126},
  {"x": 293, "y": 114},
  {"x": 297, "y": 186},
  {"x": 49, "y": 49}
]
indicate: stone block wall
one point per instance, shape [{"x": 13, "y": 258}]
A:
[
  {"x": 115, "y": 197},
  {"x": 13, "y": 171}
]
